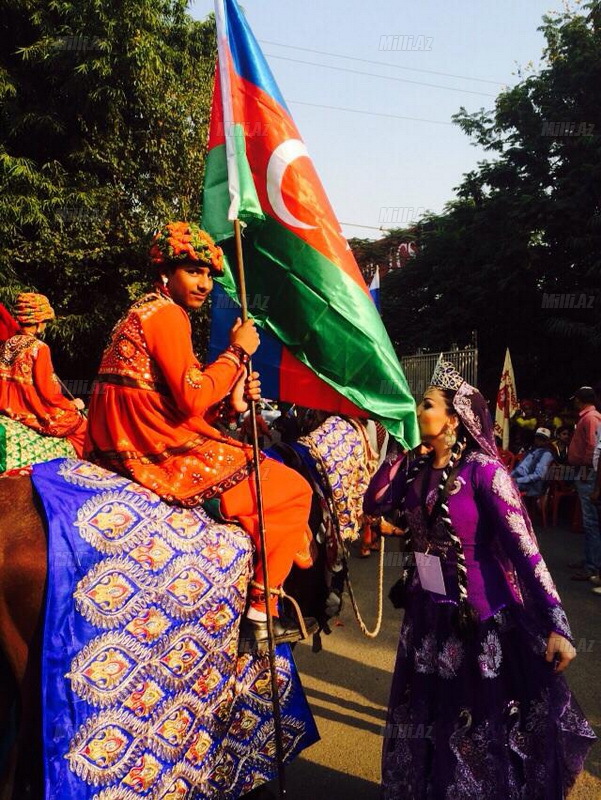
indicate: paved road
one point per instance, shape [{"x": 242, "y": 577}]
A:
[{"x": 347, "y": 683}]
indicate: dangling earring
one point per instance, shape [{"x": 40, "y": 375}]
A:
[
  {"x": 450, "y": 438},
  {"x": 165, "y": 280}
]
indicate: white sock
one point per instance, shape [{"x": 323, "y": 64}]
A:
[{"x": 254, "y": 613}]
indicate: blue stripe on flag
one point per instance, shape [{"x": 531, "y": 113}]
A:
[
  {"x": 248, "y": 59},
  {"x": 268, "y": 357}
]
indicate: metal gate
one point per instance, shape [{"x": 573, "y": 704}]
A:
[{"x": 418, "y": 368}]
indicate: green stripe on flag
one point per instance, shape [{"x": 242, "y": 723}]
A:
[
  {"x": 216, "y": 198},
  {"x": 327, "y": 321}
]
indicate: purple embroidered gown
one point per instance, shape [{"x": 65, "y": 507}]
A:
[{"x": 480, "y": 718}]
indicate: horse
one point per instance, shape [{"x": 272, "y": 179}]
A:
[
  {"x": 23, "y": 556},
  {"x": 22, "y": 579},
  {"x": 23, "y": 551}
]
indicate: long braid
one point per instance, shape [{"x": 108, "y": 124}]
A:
[
  {"x": 466, "y": 613},
  {"x": 414, "y": 469},
  {"x": 467, "y": 616}
]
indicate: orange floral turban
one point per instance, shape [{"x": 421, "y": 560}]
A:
[
  {"x": 32, "y": 308},
  {"x": 178, "y": 242}
]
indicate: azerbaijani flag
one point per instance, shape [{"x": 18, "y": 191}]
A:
[{"x": 313, "y": 302}]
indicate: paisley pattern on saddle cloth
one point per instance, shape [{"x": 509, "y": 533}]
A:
[
  {"x": 21, "y": 446},
  {"x": 144, "y": 693},
  {"x": 344, "y": 457}
]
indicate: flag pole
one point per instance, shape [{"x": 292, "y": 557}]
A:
[{"x": 275, "y": 698}]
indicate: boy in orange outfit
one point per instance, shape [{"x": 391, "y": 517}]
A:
[
  {"x": 29, "y": 390},
  {"x": 154, "y": 406}
]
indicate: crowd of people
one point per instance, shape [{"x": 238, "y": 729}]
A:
[{"x": 564, "y": 454}]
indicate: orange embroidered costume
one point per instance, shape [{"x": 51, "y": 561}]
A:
[
  {"x": 29, "y": 390},
  {"x": 153, "y": 407}
]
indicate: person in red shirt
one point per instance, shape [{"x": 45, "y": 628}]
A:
[
  {"x": 29, "y": 390},
  {"x": 153, "y": 412},
  {"x": 580, "y": 456}
]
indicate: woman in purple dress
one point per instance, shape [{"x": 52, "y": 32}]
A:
[{"x": 478, "y": 707}]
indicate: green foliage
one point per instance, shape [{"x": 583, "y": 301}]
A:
[
  {"x": 103, "y": 130},
  {"x": 525, "y": 227}
]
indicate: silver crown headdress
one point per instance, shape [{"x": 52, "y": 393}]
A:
[{"x": 445, "y": 376}]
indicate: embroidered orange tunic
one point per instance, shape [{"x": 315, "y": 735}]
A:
[
  {"x": 30, "y": 392},
  {"x": 153, "y": 403}
]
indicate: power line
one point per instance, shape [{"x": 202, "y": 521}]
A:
[
  {"x": 371, "y": 227},
  {"x": 383, "y": 63},
  {"x": 374, "y": 75},
  {"x": 370, "y": 113}
]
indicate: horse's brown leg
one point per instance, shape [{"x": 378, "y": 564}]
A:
[{"x": 22, "y": 577}]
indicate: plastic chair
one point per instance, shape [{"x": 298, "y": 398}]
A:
[{"x": 558, "y": 490}]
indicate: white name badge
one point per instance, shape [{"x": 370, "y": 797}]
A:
[{"x": 430, "y": 573}]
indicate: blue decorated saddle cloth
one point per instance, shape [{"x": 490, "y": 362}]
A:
[{"x": 144, "y": 694}]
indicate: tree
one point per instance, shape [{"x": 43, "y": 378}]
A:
[
  {"x": 517, "y": 255},
  {"x": 103, "y": 131}
]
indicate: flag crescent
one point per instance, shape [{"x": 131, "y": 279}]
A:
[{"x": 283, "y": 155}]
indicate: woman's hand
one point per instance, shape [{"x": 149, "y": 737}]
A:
[
  {"x": 558, "y": 646},
  {"x": 79, "y": 404}
]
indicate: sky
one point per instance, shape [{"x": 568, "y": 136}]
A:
[{"x": 401, "y": 155}]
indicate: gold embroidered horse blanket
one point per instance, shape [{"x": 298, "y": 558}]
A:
[{"x": 144, "y": 694}]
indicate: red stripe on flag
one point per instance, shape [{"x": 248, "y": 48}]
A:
[
  {"x": 216, "y": 128},
  {"x": 298, "y": 384},
  {"x": 266, "y": 125}
]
